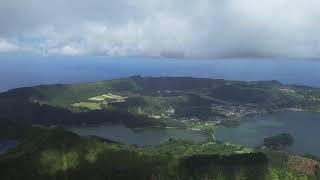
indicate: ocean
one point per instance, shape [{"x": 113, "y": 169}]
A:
[{"x": 20, "y": 71}]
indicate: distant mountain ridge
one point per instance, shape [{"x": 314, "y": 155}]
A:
[{"x": 151, "y": 98}]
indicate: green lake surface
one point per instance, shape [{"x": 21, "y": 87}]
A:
[
  {"x": 303, "y": 126},
  {"x": 141, "y": 137}
]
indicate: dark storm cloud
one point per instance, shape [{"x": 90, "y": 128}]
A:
[{"x": 195, "y": 28}]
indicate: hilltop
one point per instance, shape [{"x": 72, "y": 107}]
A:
[{"x": 163, "y": 101}]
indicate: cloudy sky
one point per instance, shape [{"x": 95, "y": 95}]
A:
[{"x": 189, "y": 28}]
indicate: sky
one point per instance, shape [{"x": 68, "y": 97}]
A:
[{"x": 170, "y": 28}]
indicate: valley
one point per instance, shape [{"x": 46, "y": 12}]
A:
[{"x": 146, "y": 123}]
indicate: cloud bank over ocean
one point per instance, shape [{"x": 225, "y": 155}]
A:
[{"x": 174, "y": 28}]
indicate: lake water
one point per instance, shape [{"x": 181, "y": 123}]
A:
[
  {"x": 20, "y": 71},
  {"x": 5, "y": 145},
  {"x": 303, "y": 126},
  {"x": 140, "y": 137}
]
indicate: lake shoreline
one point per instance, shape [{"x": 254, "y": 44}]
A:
[
  {"x": 252, "y": 131},
  {"x": 140, "y": 137}
]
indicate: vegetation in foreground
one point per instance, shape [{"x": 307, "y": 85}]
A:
[{"x": 51, "y": 153}]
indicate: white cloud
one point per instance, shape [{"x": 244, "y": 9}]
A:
[
  {"x": 6, "y": 46},
  {"x": 194, "y": 28},
  {"x": 67, "y": 50}
]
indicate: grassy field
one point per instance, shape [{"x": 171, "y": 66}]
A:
[{"x": 88, "y": 105}]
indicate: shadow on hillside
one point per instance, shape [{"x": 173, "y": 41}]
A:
[{"x": 33, "y": 113}]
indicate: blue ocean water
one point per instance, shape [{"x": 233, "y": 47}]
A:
[{"x": 21, "y": 71}]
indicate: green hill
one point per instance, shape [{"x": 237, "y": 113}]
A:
[
  {"x": 141, "y": 101},
  {"x": 46, "y": 153}
]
